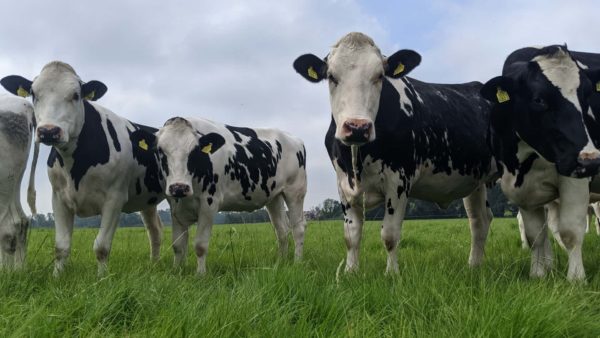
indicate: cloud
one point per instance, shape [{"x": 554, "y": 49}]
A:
[{"x": 228, "y": 61}]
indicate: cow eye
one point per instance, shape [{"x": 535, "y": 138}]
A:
[
  {"x": 75, "y": 96},
  {"x": 379, "y": 77},
  {"x": 332, "y": 79},
  {"x": 539, "y": 104}
]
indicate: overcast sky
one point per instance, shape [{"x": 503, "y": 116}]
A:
[{"x": 231, "y": 61}]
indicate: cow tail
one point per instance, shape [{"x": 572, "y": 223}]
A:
[{"x": 31, "y": 187}]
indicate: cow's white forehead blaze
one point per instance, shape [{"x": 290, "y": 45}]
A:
[{"x": 563, "y": 72}]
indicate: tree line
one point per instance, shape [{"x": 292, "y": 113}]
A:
[{"x": 329, "y": 209}]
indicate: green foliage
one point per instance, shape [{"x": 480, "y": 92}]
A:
[{"x": 249, "y": 291}]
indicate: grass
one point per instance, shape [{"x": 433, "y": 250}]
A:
[{"x": 258, "y": 295}]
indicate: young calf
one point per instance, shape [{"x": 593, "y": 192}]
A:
[
  {"x": 16, "y": 124},
  {"x": 100, "y": 163},
  {"x": 211, "y": 167}
]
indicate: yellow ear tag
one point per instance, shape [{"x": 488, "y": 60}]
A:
[
  {"x": 142, "y": 144},
  {"x": 598, "y": 86},
  {"x": 502, "y": 96},
  {"x": 91, "y": 95},
  {"x": 312, "y": 73},
  {"x": 22, "y": 92},
  {"x": 207, "y": 149},
  {"x": 399, "y": 69}
]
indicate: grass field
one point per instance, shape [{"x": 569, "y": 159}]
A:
[{"x": 249, "y": 292}]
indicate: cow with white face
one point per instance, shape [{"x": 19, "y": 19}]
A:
[
  {"x": 99, "y": 164},
  {"x": 211, "y": 167},
  {"x": 539, "y": 135},
  {"x": 16, "y": 130},
  {"x": 392, "y": 137}
]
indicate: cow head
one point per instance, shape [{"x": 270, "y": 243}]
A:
[
  {"x": 544, "y": 101},
  {"x": 355, "y": 70},
  {"x": 184, "y": 153},
  {"x": 58, "y": 95}
]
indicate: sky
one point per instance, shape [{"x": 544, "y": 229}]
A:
[{"x": 231, "y": 61}]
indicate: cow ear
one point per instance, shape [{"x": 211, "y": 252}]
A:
[
  {"x": 401, "y": 63},
  {"x": 498, "y": 89},
  {"x": 311, "y": 67},
  {"x": 17, "y": 85},
  {"x": 143, "y": 140},
  {"x": 594, "y": 76},
  {"x": 210, "y": 143},
  {"x": 93, "y": 90}
]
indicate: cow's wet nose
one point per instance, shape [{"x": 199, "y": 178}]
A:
[
  {"x": 49, "y": 134},
  {"x": 357, "y": 130},
  {"x": 179, "y": 190},
  {"x": 587, "y": 167}
]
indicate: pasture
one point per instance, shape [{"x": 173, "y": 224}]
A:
[{"x": 248, "y": 291}]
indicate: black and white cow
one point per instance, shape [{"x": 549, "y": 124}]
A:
[
  {"x": 541, "y": 139},
  {"x": 100, "y": 163},
  {"x": 16, "y": 126},
  {"x": 211, "y": 167},
  {"x": 393, "y": 137}
]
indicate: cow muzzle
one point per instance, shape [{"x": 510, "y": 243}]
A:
[
  {"x": 586, "y": 166},
  {"x": 180, "y": 190},
  {"x": 49, "y": 134},
  {"x": 357, "y": 131}
]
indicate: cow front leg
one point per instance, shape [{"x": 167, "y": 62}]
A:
[
  {"x": 180, "y": 238},
  {"x": 537, "y": 236},
  {"x": 353, "y": 223},
  {"x": 63, "y": 225},
  {"x": 574, "y": 196},
  {"x": 391, "y": 228},
  {"x": 154, "y": 228},
  {"x": 479, "y": 220},
  {"x": 205, "y": 223},
  {"x": 103, "y": 243}
]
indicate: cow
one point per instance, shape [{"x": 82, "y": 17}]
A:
[
  {"x": 99, "y": 164},
  {"x": 211, "y": 167},
  {"x": 539, "y": 135},
  {"x": 16, "y": 127},
  {"x": 392, "y": 137}
]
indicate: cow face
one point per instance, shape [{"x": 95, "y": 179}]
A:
[
  {"x": 185, "y": 154},
  {"x": 355, "y": 70},
  {"x": 58, "y": 96},
  {"x": 544, "y": 101}
]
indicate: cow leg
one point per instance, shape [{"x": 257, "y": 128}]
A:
[
  {"x": 537, "y": 236},
  {"x": 63, "y": 224},
  {"x": 279, "y": 218},
  {"x": 103, "y": 243},
  {"x": 479, "y": 220},
  {"x": 154, "y": 228},
  {"x": 180, "y": 239},
  {"x": 574, "y": 195},
  {"x": 391, "y": 228},
  {"x": 21, "y": 249},
  {"x": 205, "y": 223},
  {"x": 295, "y": 203},
  {"x": 596, "y": 207},
  {"x": 353, "y": 223},
  {"x": 524, "y": 244}
]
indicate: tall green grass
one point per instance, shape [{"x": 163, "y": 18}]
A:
[{"x": 248, "y": 291}]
